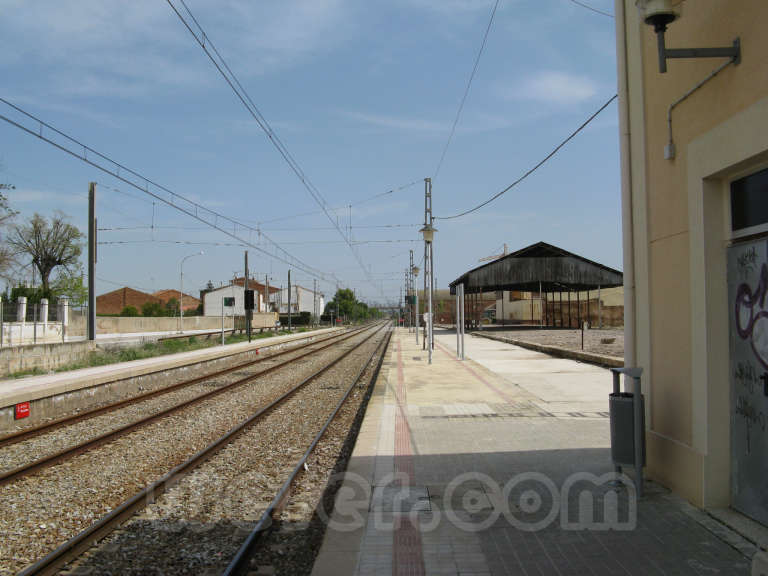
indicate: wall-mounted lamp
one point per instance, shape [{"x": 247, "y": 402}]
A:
[{"x": 660, "y": 13}]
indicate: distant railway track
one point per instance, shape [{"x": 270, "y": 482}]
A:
[
  {"x": 26, "y": 433},
  {"x": 311, "y": 393},
  {"x": 9, "y": 475}
]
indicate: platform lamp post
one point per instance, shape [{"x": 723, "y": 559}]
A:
[
  {"x": 415, "y": 270},
  {"x": 181, "y": 289},
  {"x": 429, "y": 270}
]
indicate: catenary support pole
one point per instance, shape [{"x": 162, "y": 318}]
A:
[
  {"x": 289, "y": 301},
  {"x": 92, "y": 261},
  {"x": 249, "y": 311}
]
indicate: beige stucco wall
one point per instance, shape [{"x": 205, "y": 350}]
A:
[{"x": 681, "y": 230}]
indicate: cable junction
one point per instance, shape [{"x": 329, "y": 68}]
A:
[
  {"x": 207, "y": 45},
  {"x": 229, "y": 226}
]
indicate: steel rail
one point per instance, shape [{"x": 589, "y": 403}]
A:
[
  {"x": 27, "y": 433},
  {"x": 72, "y": 548},
  {"x": 240, "y": 563},
  {"x": 72, "y": 451}
]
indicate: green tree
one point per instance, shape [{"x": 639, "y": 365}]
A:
[
  {"x": 152, "y": 309},
  {"x": 344, "y": 303},
  {"x": 172, "y": 307},
  {"x": 49, "y": 244},
  {"x": 70, "y": 284},
  {"x": 129, "y": 311}
]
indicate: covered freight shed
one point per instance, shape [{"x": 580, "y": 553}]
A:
[{"x": 543, "y": 270}]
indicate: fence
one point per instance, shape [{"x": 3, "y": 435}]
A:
[{"x": 22, "y": 323}]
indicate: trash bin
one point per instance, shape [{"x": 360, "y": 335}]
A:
[{"x": 622, "y": 413}]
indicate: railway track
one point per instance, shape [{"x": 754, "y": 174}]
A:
[
  {"x": 121, "y": 504},
  {"x": 195, "y": 390},
  {"x": 283, "y": 348}
]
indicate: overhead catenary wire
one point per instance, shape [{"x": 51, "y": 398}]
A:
[
  {"x": 205, "y": 42},
  {"x": 536, "y": 167},
  {"x": 138, "y": 181},
  {"x": 292, "y": 242},
  {"x": 466, "y": 90}
]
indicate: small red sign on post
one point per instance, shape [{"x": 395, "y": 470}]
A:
[{"x": 22, "y": 410}]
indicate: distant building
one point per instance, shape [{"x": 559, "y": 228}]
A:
[
  {"x": 302, "y": 300},
  {"x": 213, "y": 299},
  {"x": 114, "y": 302},
  {"x": 189, "y": 302}
]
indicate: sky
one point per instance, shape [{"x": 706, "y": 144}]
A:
[{"x": 363, "y": 95}]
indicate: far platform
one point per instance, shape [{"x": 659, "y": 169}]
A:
[{"x": 492, "y": 465}]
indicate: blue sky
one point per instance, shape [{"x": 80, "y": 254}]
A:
[{"x": 363, "y": 94}]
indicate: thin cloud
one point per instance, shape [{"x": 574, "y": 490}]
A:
[
  {"x": 553, "y": 87},
  {"x": 451, "y": 6},
  {"x": 397, "y": 122},
  {"x": 130, "y": 49}
]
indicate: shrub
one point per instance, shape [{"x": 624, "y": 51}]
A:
[{"x": 129, "y": 311}]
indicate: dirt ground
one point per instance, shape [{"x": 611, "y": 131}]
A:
[{"x": 571, "y": 339}]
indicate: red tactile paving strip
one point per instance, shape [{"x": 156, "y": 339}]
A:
[{"x": 408, "y": 559}]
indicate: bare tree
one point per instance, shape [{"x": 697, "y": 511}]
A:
[
  {"x": 49, "y": 243},
  {"x": 6, "y": 215}
]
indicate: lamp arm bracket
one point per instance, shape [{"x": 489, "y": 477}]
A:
[{"x": 733, "y": 52}]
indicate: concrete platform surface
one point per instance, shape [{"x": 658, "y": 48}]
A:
[
  {"x": 500, "y": 464},
  {"x": 32, "y": 388}
]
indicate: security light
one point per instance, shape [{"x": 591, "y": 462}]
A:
[
  {"x": 428, "y": 232},
  {"x": 659, "y": 14}
]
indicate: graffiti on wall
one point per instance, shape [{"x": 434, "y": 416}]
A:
[{"x": 748, "y": 275}]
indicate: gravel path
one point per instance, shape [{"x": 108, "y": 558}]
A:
[
  {"x": 197, "y": 526},
  {"x": 58, "y": 439},
  {"x": 571, "y": 339},
  {"x": 44, "y": 510}
]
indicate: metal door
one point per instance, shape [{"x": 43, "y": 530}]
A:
[{"x": 748, "y": 311}]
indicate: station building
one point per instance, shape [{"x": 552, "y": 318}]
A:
[{"x": 695, "y": 219}]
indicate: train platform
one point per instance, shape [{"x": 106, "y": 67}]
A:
[
  {"x": 500, "y": 464},
  {"x": 31, "y": 388}
]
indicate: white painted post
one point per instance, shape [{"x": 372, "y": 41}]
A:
[
  {"x": 64, "y": 316},
  {"x": 44, "y": 314},
  {"x": 21, "y": 316}
]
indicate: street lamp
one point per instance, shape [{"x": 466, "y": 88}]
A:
[
  {"x": 429, "y": 233},
  {"x": 415, "y": 271},
  {"x": 181, "y": 289}
]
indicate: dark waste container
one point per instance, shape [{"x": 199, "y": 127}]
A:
[{"x": 622, "y": 412}]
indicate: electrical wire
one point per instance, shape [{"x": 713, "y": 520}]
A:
[
  {"x": 536, "y": 167},
  {"x": 466, "y": 90},
  {"x": 102, "y": 162},
  {"x": 226, "y": 72},
  {"x": 292, "y": 243},
  {"x": 592, "y": 8}
]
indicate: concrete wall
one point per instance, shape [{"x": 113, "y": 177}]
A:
[
  {"x": 139, "y": 324},
  {"x": 14, "y": 333},
  {"x": 42, "y": 356},
  {"x": 682, "y": 230},
  {"x": 48, "y": 356}
]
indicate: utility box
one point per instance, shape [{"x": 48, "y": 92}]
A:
[{"x": 622, "y": 412}]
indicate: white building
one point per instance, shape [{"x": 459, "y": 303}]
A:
[
  {"x": 302, "y": 300},
  {"x": 213, "y": 300}
]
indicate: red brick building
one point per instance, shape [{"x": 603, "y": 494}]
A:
[
  {"x": 114, "y": 302},
  {"x": 190, "y": 303}
]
